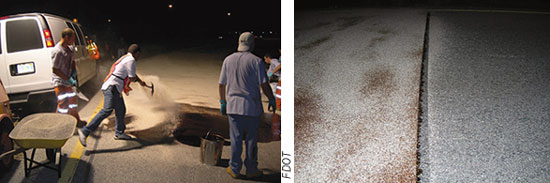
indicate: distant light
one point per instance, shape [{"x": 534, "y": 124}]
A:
[
  {"x": 270, "y": 32},
  {"x": 263, "y": 32},
  {"x": 170, "y": 6},
  {"x": 75, "y": 20},
  {"x": 236, "y": 33},
  {"x": 220, "y": 37},
  {"x": 261, "y": 36},
  {"x": 228, "y": 13},
  {"x": 109, "y": 20}
]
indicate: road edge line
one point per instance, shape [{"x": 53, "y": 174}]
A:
[{"x": 74, "y": 158}]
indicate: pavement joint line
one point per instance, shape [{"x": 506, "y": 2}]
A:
[
  {"x": 490, "y": 11},
  {"x": 70, "y": 167},
  {"x": 422, "y": 94}
]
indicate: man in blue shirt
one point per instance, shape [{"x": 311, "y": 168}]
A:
[{"x": 241, "y": 77}]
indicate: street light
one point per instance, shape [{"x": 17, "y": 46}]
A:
[
  {"x": 228, "y": 13},
  {"x": 170, "y": 6}
]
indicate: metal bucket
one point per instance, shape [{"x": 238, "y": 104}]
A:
[{"x": 211, "y": 149}]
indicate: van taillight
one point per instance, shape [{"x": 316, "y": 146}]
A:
[{"x": 49, "y": 39}]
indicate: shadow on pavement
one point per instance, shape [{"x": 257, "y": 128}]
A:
[
  {"x": 224, "y": 163},
  {"x": 68, "y": 168},
  {"x": 269, "y": 176},
  {"x": 196, "y": 121},
  {"x": 6, "y": 175},
  {"x": 131, "y": 145}
]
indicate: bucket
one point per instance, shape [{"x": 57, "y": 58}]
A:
[{"x": 211, "y": 149}]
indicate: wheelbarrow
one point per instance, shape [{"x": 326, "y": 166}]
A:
[{"x": 43, "y": 130}]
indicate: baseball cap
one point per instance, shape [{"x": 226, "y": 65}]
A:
[{"x": 246, "y": 42}]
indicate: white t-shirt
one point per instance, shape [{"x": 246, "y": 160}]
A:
[
  {"x": 274, "y": 63},
  {"x": 243, "y": 73},
  {"x": 126, "y": 68}
]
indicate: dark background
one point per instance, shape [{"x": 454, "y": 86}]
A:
[
  {"x": 187, "y": 24},
  {"x": 541, "y": 5}
]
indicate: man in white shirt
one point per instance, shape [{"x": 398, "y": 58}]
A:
[
  {"x": 122, "y": 73},
  {"x": 241, "y": 76},
  {"x": 274, "y": 71}
]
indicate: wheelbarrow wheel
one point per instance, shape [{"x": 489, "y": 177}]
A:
[
  {"x": 50, "y": 153},
  {"x": 6, "y": 144}
]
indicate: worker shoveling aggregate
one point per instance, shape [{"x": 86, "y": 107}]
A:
[
  {"x": 149, "y": 117},
  {"x": 157, "y": 117}
]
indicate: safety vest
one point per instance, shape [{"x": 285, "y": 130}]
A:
[
  {"x": 126, "y": 80},
  {"x": 93, "y": 51}
]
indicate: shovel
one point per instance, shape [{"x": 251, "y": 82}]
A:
[
  {"x": 80, "y": 95},
  {"x": 152, "y": 88}
]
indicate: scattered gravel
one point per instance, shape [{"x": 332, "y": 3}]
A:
[
  {"x": 357, "y": 78},
  {"x": 149, "y": 117},
  {"x": 44, "y": 126}
]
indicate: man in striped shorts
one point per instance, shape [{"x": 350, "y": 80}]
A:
[{"x": 64, "y": 74}]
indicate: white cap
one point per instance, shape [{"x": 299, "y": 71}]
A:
[{"x": 246, "y": 42}]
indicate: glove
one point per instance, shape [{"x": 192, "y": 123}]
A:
[
  {"x": 223, "y": 107},
  {"x": 72, "y": 81},
  {"x": 270, "y": 74},
  {"x": 272, "y": 106}
]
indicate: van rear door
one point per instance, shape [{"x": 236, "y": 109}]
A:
[
  {"x": 84, "y": 65},
  {"x": 91, "y": 64},
  {"x": 28, "y": 64}
]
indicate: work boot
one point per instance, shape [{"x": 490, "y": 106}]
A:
[
  {"x": 81, "y": 137},
  {"x": 123, "y": 137},
  {"x": 230, "y": 172},
  {"x": 256, "y": 174}
]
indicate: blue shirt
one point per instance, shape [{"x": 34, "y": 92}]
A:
[{"x": 243, "y": 73}]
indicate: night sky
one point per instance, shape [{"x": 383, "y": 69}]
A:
[{"x": 155, "y": 21}]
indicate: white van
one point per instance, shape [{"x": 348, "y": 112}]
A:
[{"x": 26, "y": 42}]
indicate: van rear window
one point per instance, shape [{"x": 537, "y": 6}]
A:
[
  {"x": 56, "y": 27},
  {"x": 80, "y": 34},
  {"x": 77, "y": 40},
  {"x": 23, "y": 35}
]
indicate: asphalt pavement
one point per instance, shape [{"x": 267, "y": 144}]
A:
[
  {"x": 488, "y": 99},
  {"x": 357, "y": 75}
]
